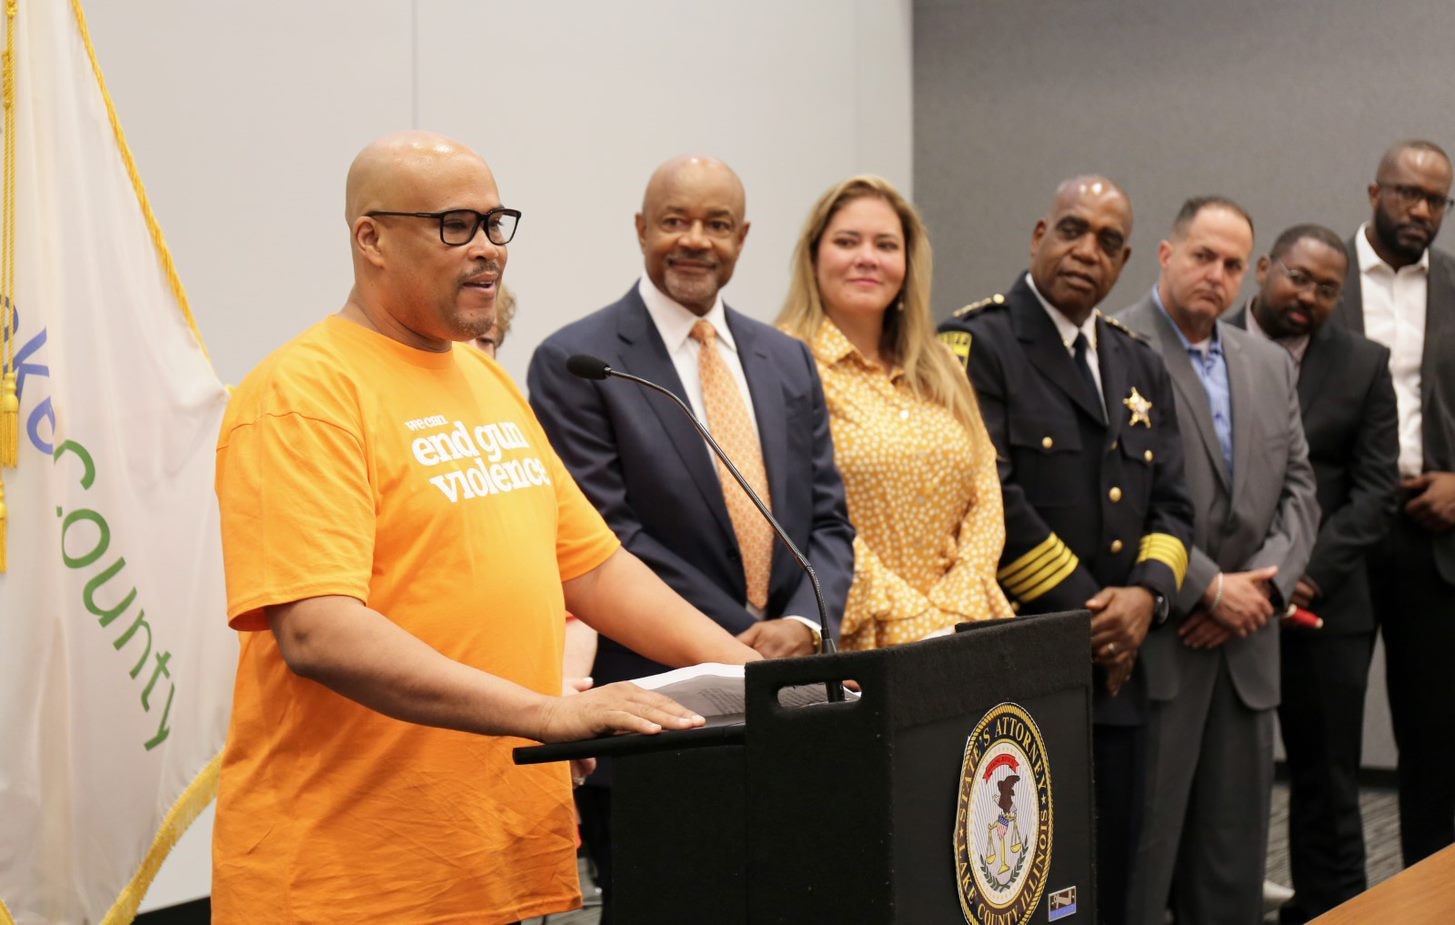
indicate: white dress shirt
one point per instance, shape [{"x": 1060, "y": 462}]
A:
[{"x": 1394, "y": 315}]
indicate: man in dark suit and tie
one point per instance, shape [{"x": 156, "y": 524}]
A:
[
  {"x": 651, "y": 475},
  {"x": 1212, "y": 672},
  {"x": 1349, "y": 419},
  {"x": 1400, "y": 292}
]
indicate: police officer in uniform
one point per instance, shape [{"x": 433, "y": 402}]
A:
[{"x": 1097, "y": 516}]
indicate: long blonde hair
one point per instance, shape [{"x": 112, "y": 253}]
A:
[{"x": 908, "y": 339}]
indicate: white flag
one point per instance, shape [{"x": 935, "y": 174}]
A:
[{"x": 116, "y": 662}]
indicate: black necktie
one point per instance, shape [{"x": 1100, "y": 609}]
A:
[{"x": 1078, "y": 348}]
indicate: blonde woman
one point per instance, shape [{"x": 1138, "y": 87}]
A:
[{"x": 918, "y": 466}]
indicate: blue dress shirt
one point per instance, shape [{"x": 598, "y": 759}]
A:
[{"x": 1212, "y": 371}]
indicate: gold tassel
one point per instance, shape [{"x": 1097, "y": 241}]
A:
[
  {"x": 4, "y": 564},
  {"x": 9, "y": 422}
]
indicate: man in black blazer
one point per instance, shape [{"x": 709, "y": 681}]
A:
[
  {"x": 1400, "y": 292},
  {"x": 639, "y": 460},
  {"x": 1347, "y": 399}
]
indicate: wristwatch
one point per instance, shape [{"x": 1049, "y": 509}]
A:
[{"x": 1160, "y": 607}]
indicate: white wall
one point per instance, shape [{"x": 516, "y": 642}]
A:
[{"x": 244, "y": 116}]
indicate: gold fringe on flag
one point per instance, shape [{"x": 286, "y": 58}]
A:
[
  {"x": 9, "y": 400},
  {"x": 9, "y": 397},
  {"x": 9, "y": 422}
]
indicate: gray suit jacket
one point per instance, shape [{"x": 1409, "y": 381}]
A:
[
  {"x": 1266, "y": 513},
  {"x": 1437, "y": 374}
]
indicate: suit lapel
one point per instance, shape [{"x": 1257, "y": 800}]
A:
[
  {"x": 1439, "y": 295},
  {"x": 769, "y": 406},
  {"x": 1044, "y": 348},
  {"x": 1350, "y": 312},
  {"x": 1113, "y": 364},
  {"x": 1241, "y": 390},
  {"x": 1318, "y": 360},
  {"x": 643, "y": 354},
  {"x": 1194, "y": 396}
]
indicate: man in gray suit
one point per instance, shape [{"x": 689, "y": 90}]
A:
[
  {"x": 1212, "y": 670},
  {"x": 1400, "y": 292}
]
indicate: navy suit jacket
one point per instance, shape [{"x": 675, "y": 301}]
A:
[
  {"x": 639, "y": 460},
  {"x": 1346, "y": 396}
]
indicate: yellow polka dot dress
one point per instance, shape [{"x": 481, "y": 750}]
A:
[{"x": 924, "y": 498}]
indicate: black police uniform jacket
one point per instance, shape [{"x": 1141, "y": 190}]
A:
[{"x": 1093, "y": 497}]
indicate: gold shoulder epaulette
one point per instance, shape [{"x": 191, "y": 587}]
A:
[
  {"x": 996, "y": 299},
  {"x": 1134, "y": 335}
]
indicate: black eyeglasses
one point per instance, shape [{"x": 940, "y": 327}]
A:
[
  {"x": 458, "y": 226},
  {"x": 1409, "y": 195},
  {"x": 1300, "y": 279}
]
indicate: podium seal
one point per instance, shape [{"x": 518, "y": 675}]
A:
[{"x": 1003, "y": 823}]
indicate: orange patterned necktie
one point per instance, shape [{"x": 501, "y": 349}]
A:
[{"x": 727, "y": 418}]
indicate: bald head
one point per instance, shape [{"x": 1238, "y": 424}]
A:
[
  {"x": 691, "y": 229},
  {"x": 1079, "y": 248},
  {"x": 690, "y": 169},
  {"x": 1088, "y": 189},
  {"x": 402, "y": 168},
  {"x": 1417, "y": 152}
]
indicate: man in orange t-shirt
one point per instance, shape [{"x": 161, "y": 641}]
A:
[{"x": 400, "y": 543}]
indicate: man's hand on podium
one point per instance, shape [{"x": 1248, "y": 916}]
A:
[
  {"x": 615, "y": 708},
  {"x": 581, "y": 768},
  {"x": 778, "y": 638}
]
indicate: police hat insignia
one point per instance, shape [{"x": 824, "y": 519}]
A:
[
  {"x": 1003, "y": 825},
  {"x": 1139, "y": 406}
]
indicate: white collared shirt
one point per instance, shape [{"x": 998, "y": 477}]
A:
[
  {"x": 1394, "y": 315},
  {"x": 1068, "y": 331}
]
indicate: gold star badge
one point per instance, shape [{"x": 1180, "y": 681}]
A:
[{"x": 1139, "y": 407}]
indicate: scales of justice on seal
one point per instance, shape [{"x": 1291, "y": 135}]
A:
[{"x": 957, "y": 788}]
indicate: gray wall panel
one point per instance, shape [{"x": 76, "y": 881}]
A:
[{"x": 1284, "y": 106}]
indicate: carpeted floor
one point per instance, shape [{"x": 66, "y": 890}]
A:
[{"x": 1381, "y": 838}]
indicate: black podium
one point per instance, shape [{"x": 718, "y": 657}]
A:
[{"x": 957, "y": 788}]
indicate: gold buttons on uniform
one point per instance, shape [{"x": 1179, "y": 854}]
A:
[
  {"x": 1115, "y": 444},
  {"x": 1047, "y": 442},
  {"x": 1115, "y": 494},
  {"x": 1147, "y": 456},
  {"x": 1116, "y": 546}
]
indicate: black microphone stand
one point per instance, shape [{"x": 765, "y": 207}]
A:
[{"x": 597, "y": 369}]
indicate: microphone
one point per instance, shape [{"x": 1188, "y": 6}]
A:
[{"x": 584, "y": 366}]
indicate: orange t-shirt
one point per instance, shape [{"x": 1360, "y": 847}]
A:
[{"x": 421, "y": 484}]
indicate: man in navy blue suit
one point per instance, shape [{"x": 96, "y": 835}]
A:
[{"x": 652, "y": 477}]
